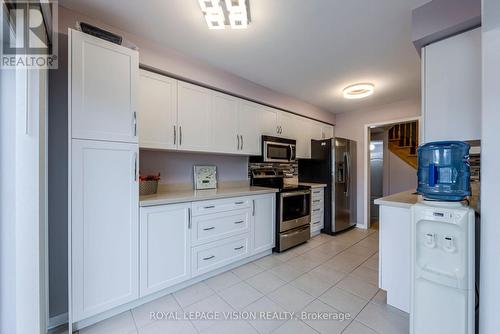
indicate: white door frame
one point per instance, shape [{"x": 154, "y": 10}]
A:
[{"x": 366, "y": 166}]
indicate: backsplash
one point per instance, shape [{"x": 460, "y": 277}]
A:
[
  {"x": 291, "y": 169},
  {"x": 177, "y": 167}
]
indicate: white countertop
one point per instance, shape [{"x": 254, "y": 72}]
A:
[
  {"x": 312, "y": 185},
  {"x": 181, "y": 196},
  {"x": 403, "y": 199}
]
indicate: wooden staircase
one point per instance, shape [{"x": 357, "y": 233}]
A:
[{"x": 403, "y": 142}]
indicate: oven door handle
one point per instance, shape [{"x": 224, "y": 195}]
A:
[
  {"x": 295, "y": 193},
  {"x": 296, "y": 231}
]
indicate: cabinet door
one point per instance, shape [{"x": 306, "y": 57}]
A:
[
  {"x": 103, "y": 89},
  {"x": 316, "y": 131},
  {"x": 452, "y": 88},
  {"x": 104, "y": 226},
  {"x": 264, "y": 227},
  {"x": 269, "y": 121},
  {"x": 287, "y": 124},
  {"x": 225, "y": 124},
  {"x": 249, "y": 115},
  {"x": 302, "y": 135},
  {"x": 165, "y": 242},
  {"x": 194, "y": 117},
  {"x": 157, "y": 111},
  {"x": 327, "y": 131}
]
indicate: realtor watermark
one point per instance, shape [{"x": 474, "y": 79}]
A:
[
  {"x": 29, "y": 34},
  {"x": 263, "y": 315}
]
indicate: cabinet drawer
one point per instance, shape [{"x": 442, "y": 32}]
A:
[
  {"x": 207, "y": 207},
  {"x": 317, "y": 223},
  {"x": 317, "y": 212},
  {"x": 316, "y": 193},
  {"x": 219, "y": 253},
  {"x": 317, "y": 203},
  {"x": 211, "y": 227}
]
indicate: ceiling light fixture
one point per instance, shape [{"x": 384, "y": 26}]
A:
[
  {"x": 222, "y": 13},
  {"x": 358, "y": 91}
]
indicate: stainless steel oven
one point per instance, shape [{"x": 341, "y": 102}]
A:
[
  {"x": 294, "y": 218},
  {"x": 275, "y": 149}
]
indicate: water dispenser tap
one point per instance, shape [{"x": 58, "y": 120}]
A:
[
  {"x": 449, "y": 244},
  {"x": 430, "y": 240}
]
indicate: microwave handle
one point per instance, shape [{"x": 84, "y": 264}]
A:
[{"x": 292, "y": 153}]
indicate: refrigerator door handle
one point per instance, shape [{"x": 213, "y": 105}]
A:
[{"x": 347, "y": 180}]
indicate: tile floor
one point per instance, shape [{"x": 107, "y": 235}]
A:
[{"x": 327, "y": 274}]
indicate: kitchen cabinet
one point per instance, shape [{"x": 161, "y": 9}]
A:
[
  {"x": 157, "y": 116},
  {"x": 327, "y": 131},
  {"x": 452, "y": 88},
  {"x": 269, "y": 121},
  {"x": 251, "y": 126},
  {"x": 104, "y": 226},
  {"x": 264, "y": 227},
  {"x": 103, "y": 82},
  {"x": 177, "y": 115},
  {"x": 317, "y": 210},
  {"x": 165, "y": 247},
  {"x": 224, "y": 123},
  {"x": 287, "y": 125},
  {"x": 194, "y": 117}
]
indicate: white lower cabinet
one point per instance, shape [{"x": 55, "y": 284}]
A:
[
  {"x": 104, "y": 226},
  {"x": 317, "y": 211},
  {"x": 264, "y": 227},
  {"x": 165, "y": 247},
  {"x": 182, "y": 241},
  {"x": 217, "y": 254}
]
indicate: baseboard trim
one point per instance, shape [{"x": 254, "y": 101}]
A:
[{"x": 58, "y": 320}]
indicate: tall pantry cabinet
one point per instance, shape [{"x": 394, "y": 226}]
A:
[{"x": 104, "y": 217}]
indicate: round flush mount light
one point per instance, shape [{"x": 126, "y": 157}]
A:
[{"x": 358, "y": 91}]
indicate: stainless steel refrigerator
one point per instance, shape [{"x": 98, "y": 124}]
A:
[{"x": 333, "y": 162}]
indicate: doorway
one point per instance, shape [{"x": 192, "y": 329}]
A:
[{"x": 391, "y": 162}]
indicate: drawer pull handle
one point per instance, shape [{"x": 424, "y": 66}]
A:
[
  {"x": 316, "y": 192},
  {"x": 239, "y": 222},
  {"x": 208, "y": 228},
  {"x": 317, "y": 201},
  {"x": 316, "y": 209},
  {"x": 315, "y": 223},
  {"x": 239, "y": 203},
  {"x": 209, "y": 207},
  {"x": 238, "y": 248},
  {"x": 209, "y": 258}
]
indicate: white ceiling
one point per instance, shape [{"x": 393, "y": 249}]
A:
[{"x": 310, "y": 49}]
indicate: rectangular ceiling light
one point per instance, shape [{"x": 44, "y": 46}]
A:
[{"x": 219, "y": 13}]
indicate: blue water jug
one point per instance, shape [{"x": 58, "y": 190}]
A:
[{"x": 444, "y": 171}]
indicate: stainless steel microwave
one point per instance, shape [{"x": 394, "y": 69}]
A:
[{"x": 275, "y": 149}]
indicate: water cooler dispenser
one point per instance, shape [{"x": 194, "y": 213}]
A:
[{"x": 443, "y": 243}]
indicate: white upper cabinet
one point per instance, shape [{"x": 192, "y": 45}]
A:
[
  {"x": 104, "y": 226},
  {"x": 225, "y": 136},
  {"x": 165, "y": 244},
  {"x": 327, "y": 131},
  {"x": 179, "y": 115},
  {"x": 287, "y": 124},
  {"x": 452, "y": 88},
  {"x": 104, "y": 79},
  {"x": 157, "y": 111},
  {"x": 194, "y": 117},
  {"x": 250, "y": 117},
  {"x": 316, "y": 131},
  {"x": 302, "y": 134},
  {"x": 269, "y": 121}
]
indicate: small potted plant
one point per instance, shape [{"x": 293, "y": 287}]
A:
[{"x": 148, "y": 184}]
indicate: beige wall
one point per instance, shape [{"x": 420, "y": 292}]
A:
[
  {"x": 351, "y": 125},
  {"x": 173, "y": 62}
]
